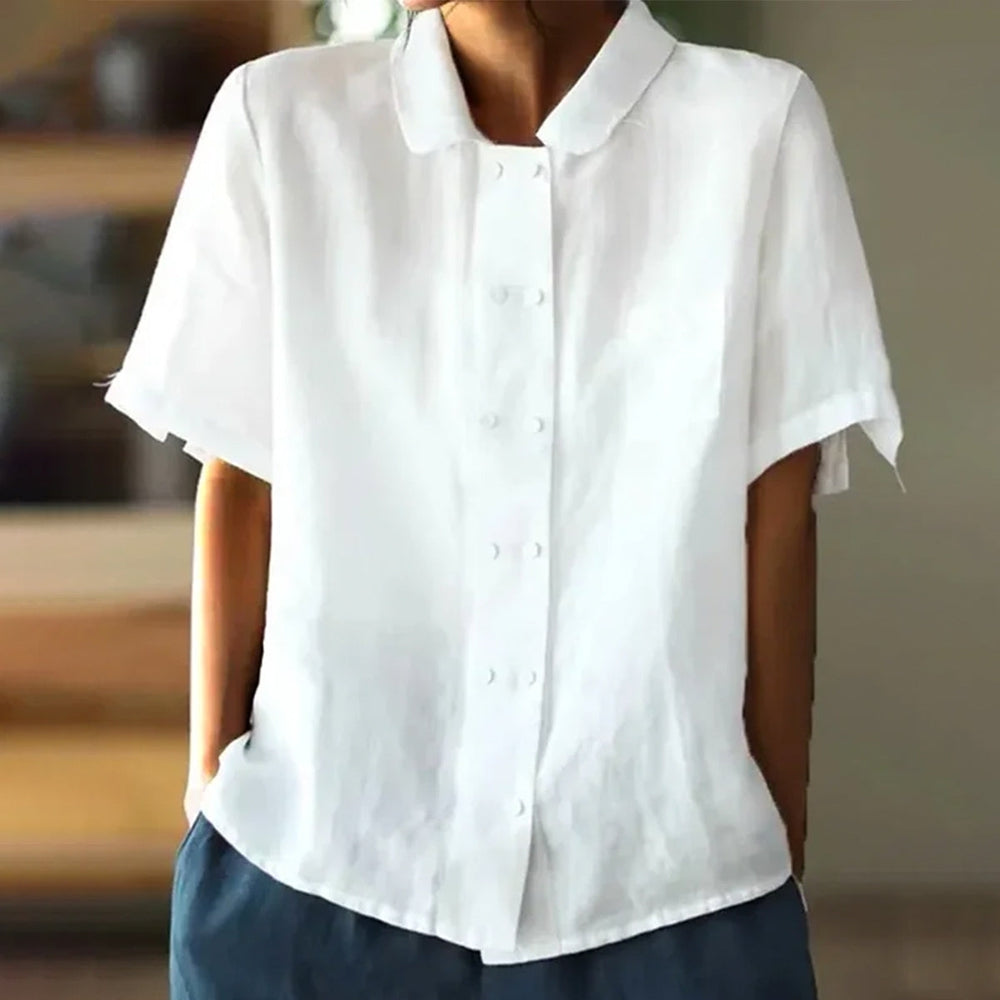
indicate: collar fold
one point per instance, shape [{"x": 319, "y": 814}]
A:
[{"x": 433, "y": 111}]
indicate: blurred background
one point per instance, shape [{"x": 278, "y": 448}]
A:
[{"x": 100, "y": 101}]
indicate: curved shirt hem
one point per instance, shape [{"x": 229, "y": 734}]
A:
[
  {"x": 664, "y": 917},
  {"x": 423, "y": 924}
]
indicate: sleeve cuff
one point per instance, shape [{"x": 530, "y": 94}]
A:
[
  {"x": 874, "y": 408},
  {"x": 203, "y": 438}
]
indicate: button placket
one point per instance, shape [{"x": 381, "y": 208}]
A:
[{"x": 511, "y": 386}]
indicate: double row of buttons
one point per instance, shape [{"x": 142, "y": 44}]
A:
[
  {"x": 533, "y": 549},
  {"x": 531, "y": 677},
  {"x": 492, "y": 420},
  {"x": 500, "y": 293},
  {"x": 539, "y": 172}
]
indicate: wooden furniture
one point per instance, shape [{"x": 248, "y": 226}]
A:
[
  {"x": 109, "y": 668},
  {"x": 94, "y": 638},
  {"x": 69, "y": 173},
  {"x": 39, "y": 31},
  {"x": 57, "y": 173},
  {"x": 89, "y": 811},
  {"x": 94, "y": 604}
]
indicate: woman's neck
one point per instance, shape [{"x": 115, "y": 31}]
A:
[{"x": 513, "y": 71}]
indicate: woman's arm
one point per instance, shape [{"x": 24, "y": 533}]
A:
[
  {"x": 781, "y": 552},
  {"x": 231, "y": 551}
]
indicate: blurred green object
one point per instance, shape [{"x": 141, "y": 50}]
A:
[{"x": 325, "y": 18}]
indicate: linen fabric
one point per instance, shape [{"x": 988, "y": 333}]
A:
[{"x": 509, "y": 399}]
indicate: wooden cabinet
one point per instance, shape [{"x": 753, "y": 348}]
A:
[
  {"x": 94, "y": 640},
  {"x": 81, "y": 173},
  {"x": 124, "y": 173},
  {"x": 116, "y": 667},
  {"x": 94, "y": 613},
  {"x": 93, "y": 748},
  {"x": 94, "y": 606},
  {"x": 89, "y": 810}
]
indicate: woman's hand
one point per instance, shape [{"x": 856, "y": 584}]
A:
[{"x": 193, "y": 794}]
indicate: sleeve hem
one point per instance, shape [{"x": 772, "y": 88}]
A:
[
  {"x": 202, "y": 438},
  {"x": 874, "y": 408}
]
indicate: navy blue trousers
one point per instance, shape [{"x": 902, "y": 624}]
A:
[{"x": 237, "y": 934}]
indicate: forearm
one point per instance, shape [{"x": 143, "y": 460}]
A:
[
  {"x": 231, "y": 551},
  {"x": 781, "y": 650}
]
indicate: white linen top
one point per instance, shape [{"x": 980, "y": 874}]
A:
[{"x": 509, "y": 400}]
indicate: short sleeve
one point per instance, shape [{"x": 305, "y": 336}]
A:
[
  {"x": 820, "y": 364},
  {"x": 199, "y": 362}
]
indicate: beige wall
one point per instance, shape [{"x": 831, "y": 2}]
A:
[{"x": 906, "y": 772}]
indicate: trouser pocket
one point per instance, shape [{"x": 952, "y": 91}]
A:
[
  {"x": 229, "y": 940},
  {"x": 188, "y": 834}
]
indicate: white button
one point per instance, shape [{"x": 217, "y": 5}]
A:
[
  {"x": 537, "y": 424},
  {"x": 499, "y": 293},
  {"x": 494, "y": 550},
  {"x": 499, "y": 169},
  {"x": 489, "y": 419},
  {"x": 519, "y": 808},
  {"x": 532, "y": 678},
  {"x": 535, "y": 549},
  {"x": 539, "y": 169},
  {"x": 491, "y": 676},
  {"x": 538, "y": 297}
]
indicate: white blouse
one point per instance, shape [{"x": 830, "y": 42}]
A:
[{"x": 509, "y": 400}]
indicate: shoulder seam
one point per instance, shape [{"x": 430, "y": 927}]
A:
[
  {"x": 786, "y": 114},
  {"x": 793, "y": 90},
  {"x": 799, "y": 77},
  {"x": 244, "y": 93}
]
